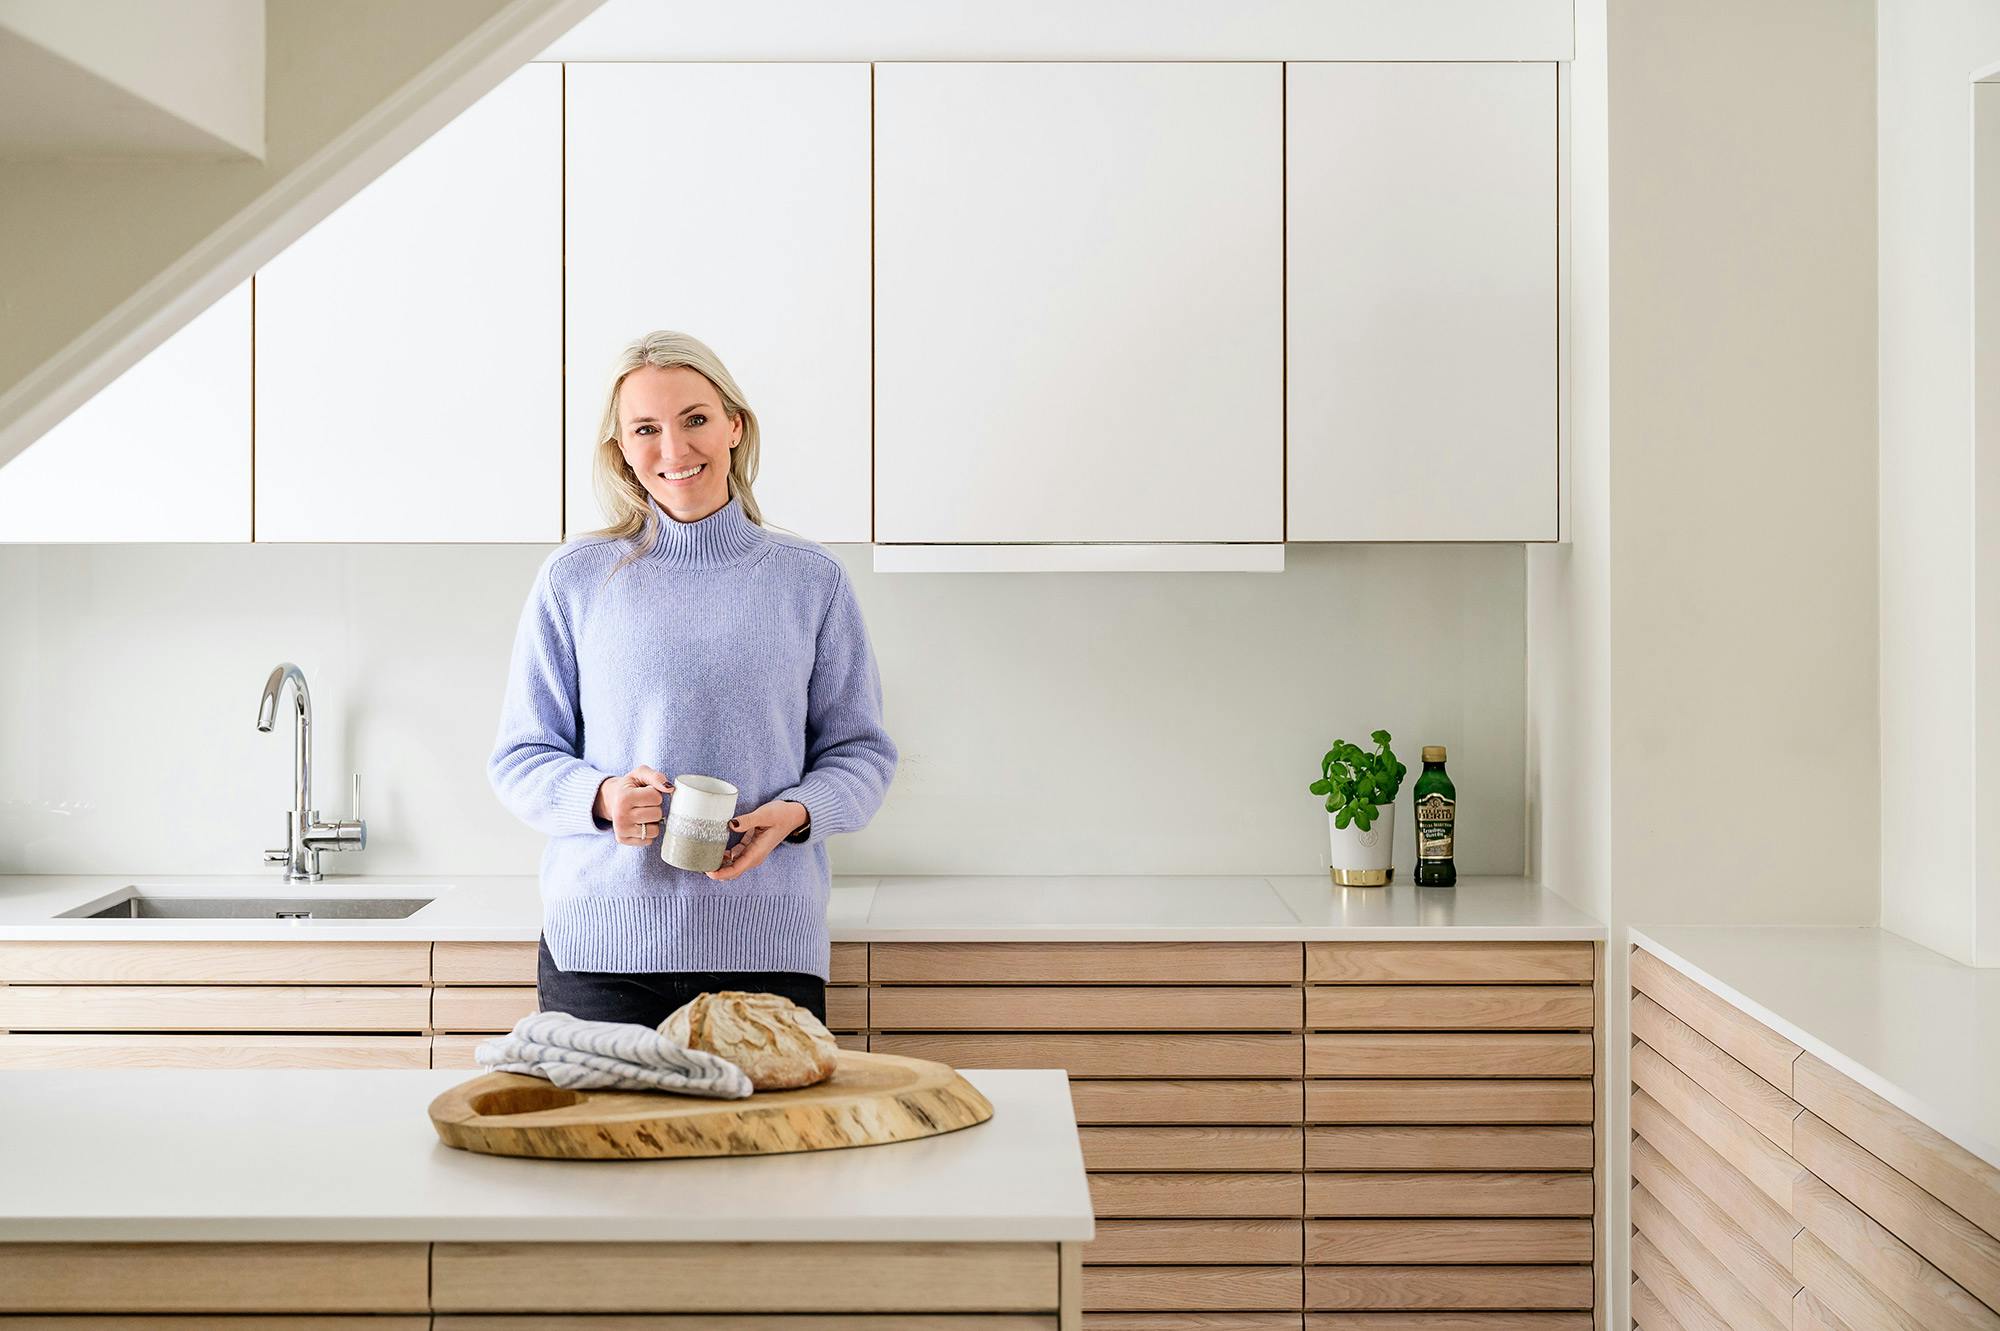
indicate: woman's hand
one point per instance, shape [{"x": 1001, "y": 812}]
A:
[
  {"x": 631, "y": 804},
  {"x": 763, "y": 828}
]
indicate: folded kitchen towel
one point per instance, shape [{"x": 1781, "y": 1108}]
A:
[{"x": 609, "y": 1055}]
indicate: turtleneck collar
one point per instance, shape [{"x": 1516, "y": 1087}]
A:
[{"x": 724, "y": 537}]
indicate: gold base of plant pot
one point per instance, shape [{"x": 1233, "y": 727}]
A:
[{"x": 1362, "y": 877}]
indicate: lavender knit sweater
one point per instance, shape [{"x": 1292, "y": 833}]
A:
[{"x": 724, "y": 649}]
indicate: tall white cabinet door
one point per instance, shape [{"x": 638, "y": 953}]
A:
[
  {"x": 409, "y": 362},
  {"x": 1078, "y": 302},
  {"x": 1421, "y": 304},
  {"x": 161, "y": 453},
  {"x": 728, "y": 201}
]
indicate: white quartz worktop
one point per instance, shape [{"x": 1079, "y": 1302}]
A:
[
  {"x": 156, "y": 1154},
  {"x": 1099, "y": 908},
  {"x": 1912, "y": 1025}
]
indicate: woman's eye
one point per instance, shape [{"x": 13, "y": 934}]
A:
[
  {"x": 697, "y": 419},
  {"x": 643, "y": 428}
]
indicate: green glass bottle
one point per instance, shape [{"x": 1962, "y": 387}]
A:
[{"x": 1437, "y": 819}]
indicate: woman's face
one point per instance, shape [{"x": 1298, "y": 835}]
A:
[{"x": 676, "y": 438}]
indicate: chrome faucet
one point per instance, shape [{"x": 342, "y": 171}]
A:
[{"x": 305, "y": 835}]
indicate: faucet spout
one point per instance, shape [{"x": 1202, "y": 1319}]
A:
[{"x": 267, "y": 715}]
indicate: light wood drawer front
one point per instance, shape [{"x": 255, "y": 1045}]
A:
[
  {"x": 1084, "y": 963},
  {"x": 846, "y": 1008},
  {"x": 1084, "y": 1008},
  {"x": 1673, "y": 1290},
  {"x": 1450, "y": 963},
  {"x": 1188, "y": 1101},
  {"x": 1450, "y": 1054},
  {"x": 1382, "y": 1101},
  {"x": 480, "y": 1007},
  {"x": 1441, "y": 1287},
  {"x": 1748, "y": 1041},
  {"x": 1956, "y": 1246},
  {"x": 1192, "y": 1149},
  {"x": 1195, "y": 1196},
  {"x": 215, "y": 1051},
  {"x": 1190, "y": 1289},
  {"x": 700, "y": 1322},
  {"x": 739, "y": 1277},
  {"x": 1940, "y": 1167},
  {"x": 1751, "y": 1098},
  {"x": 1927, "y": 1297},
  {"x": 213, "y": 1277},
  {"x": 851, "y": 1040},
  {"x": 117, "y": 961},
  {"x": 1470, "y": 1194},
  {"x": 1763, "y": 1278},
  {"x": 1170, "y": 1242},
  {"x": 1450, "y": 1321},
  {"x": 847, "y": 963},
  {"x": 1447, "y": 1242},
  {"x": 1191, "y": 1321},
  {"x": 1767, "y": 1224},
  {"x": 1748, "y": 1151},
  {"x": 1449, "y": 1007},
  {"x": 455, "y": 1051},
  {"x": 1108, "y": 1055},
  {"x": 1719, "y": 1288},
  {"x": 1476, "y": 1148},
  {"x": 218, "y": 1007},
  {"x": 485, "y": 963}
]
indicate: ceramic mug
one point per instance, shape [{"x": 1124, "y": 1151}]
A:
[{"x": 698, "y": 817}]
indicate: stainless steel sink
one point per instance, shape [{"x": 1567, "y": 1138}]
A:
[{"x": 135, "y": 904}]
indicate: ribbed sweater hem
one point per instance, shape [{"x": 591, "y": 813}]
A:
[{"x": 687, "y": 931}]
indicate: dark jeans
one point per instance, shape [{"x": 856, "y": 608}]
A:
[{"x": 649, "y": 997}]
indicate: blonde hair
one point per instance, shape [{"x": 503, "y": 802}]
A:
[{"x": 619, "y": 490}]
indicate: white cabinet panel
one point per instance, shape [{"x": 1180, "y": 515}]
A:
[
  {"x": 1421, "y": 309},
  {"x": 162, "y": 453},
  {"x": 409, "y": 374},
  {"x": 1079, "y": 318},
  {"x": 729, "y": 201}
]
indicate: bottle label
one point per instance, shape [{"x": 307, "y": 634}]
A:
[{"x": 1436, "y": 818}]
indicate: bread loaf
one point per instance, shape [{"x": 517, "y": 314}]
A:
[{"x": 778, "y": 1044}]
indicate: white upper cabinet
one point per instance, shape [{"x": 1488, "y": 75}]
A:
[
  {"x": 1078, "y": 302},
  {"x": 728, "y": 201},
  {"x": 409, "y": 380},
  {"x": 1422, "y": 289},
  {"x": 162, "y": 453}
]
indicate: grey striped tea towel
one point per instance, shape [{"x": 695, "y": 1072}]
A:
[{"x": 609, "y": 1055}]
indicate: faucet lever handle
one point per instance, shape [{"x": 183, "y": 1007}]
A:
[{"x": 357, "y": 798}]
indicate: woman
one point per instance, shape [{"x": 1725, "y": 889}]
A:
[{"x": 686, "y": 637}]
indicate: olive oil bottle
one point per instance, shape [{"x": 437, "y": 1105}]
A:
[{"x": 1437, "y": 820}]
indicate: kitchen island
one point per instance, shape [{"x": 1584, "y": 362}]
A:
[{"x": 133, "y": 1191}]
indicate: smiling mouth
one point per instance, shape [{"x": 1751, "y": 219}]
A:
[{"x": 687, "y": 475}]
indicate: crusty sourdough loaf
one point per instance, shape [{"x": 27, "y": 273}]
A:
[{"x": 778, "y": 1044}]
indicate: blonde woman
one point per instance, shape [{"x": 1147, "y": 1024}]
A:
[{"x": 686, "y": 637}]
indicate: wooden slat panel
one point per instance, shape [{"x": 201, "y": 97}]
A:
[
  {"x": 1449, "y": 1321},
  {"x": 480, "y": 1007},
  {"x": 1769, "y": 1225},
  {"x": 847, "y": 963},
  {"x": 212, "y": 1277},
  {"x": 1901, "y": 1275},
  {"x": 1842, "y": 1291},
  {"x": 1449, "y": 963},
  {"x": 1956, "y": 1246},
  {"x": 1450, "y": 1101},
  {"x": 1748, "y": 1151},
  {"x": 1762, "y": 1277},
  {"x": 1481, "y": 1148},
  {"x": 1229, "y": 1321},
  {"x": 1449, "y": 1007},
  {"x": 1189, "y": 1288},
  {"x": 215, "y": 1051},
  {"x": 1940, "y": 1167},
  {"x": 846, "y": 1008},
  {"x": 1188, "y": 1101},
  {"x": 1449, "y": 1242},
  {"x": 739, "y": 1277},
  {"x": 1718, "y": 1286},
  {"x": 1449, "y": 1287},
  {"x": 1471, "y": 1194},
  {"x": 484, "y": 963},
  {"x": 125, "y": 961},
  {"x": 1751, "y": 1098},
  {"x": 1673, "y": 1289},
  {"x": 1196, "y": 1195},
  {"x": 1182, "y": 1242},
  {"x": 1449, "y": 1054},
  {"x": 1085, "y": 963},
  {"x": 1648, "y": 1313},
  {"x": 1083, "y": 1008},
  {"x": 1748, "y": 1041},
  {"x": 1208, "y": 1055},
  {"x": 217, "y": 1007},
  {"x": 1809, "y": 1314},
  {"x": 1193, "y": 1149}
]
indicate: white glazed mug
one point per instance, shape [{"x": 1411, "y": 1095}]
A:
[{"x": 697, "y": 828}]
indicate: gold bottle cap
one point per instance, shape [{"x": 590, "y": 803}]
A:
[{"x": 1433, "y": 753}]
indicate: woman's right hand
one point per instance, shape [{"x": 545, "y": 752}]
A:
[{"x": 632, "y": 804}]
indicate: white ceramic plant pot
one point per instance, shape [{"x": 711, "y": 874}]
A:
[{"x": 1363, "y": 859}]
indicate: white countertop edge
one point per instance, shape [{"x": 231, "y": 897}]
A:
[
  {"x": 1968, "y": 1136},
  {"x": 323, "y": 931},
  {"x": 420, "y": 1229}
]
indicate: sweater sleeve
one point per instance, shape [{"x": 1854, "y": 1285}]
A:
[
  {"x": 850, "y": 758},
  {"x": 536, "y": 768}
]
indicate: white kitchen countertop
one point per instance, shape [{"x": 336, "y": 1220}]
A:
[
  {"x": 157, "y": 1154},
  {"x": 1912, "y": 1025},
  {"x": 1094, "y": 908}
]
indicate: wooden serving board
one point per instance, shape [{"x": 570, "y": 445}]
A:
[{"x": 870, "y": 1099}]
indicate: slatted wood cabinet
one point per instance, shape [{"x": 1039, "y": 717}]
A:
[{"x": 1770, "y": 1191}]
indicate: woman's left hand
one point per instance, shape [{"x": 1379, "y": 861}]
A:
[{"x": 762, "y": 828}]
